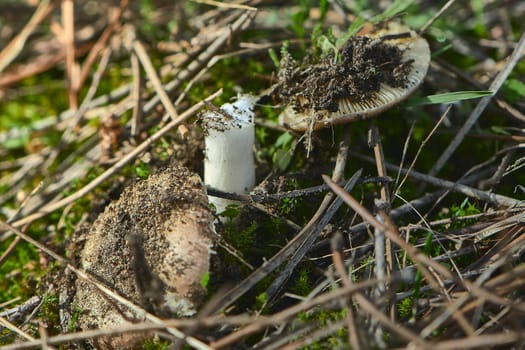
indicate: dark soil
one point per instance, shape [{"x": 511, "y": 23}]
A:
[{"x": 364, "y": 63}]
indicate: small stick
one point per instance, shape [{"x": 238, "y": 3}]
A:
[
  {"x": 288, "y": 313},
  {"x": 380, "y": 243},
  {"x": 15, "y": 329},
  {"x": 317, "y": 222},
  {"x": 136, "y": 114},
  {"x": 338, "y": 260},
  {"x": 226, "y": 5},
  {"x": 18, "y": 311},
  {"x": 154, "y": 78},
  {"x": 101, "y": 43},
  {"x": 390, "y": 231},
  {"x": 68, "y": 38},
  {"x": 11, "y": 51},
  {"x": 436, "y": 16}
]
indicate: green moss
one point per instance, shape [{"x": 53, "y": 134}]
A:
[
  {"x": 156, "y": 344},
  {"x": 75, "y": 314},
  {"x": 260, "y": 303},
  {"x": 20, "y": 272},
  {"x": 336, "y": 340},
  {"x": 404, "y": 308},
  {"x": 49, "y": 311},
  {"x": 455, "y": 212},
  {"x": 302, "y": 285},
  {"x": 241, "y": 239},
  {"x": 142, "y": 170},
  {"x": 299, "y": 17}
]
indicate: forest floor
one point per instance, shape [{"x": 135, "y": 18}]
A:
[{"x": 405, "y": 230}]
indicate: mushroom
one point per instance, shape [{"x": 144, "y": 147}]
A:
[
  {"x": 229, "y": 137},
  {"x": 377, "y": 70},
  {"x": 151, "y": 246}
]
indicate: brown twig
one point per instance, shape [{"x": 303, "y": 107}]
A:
[
  {"x": 68, "y": 39},
  {"x": 319, "y": 220},
  {"x": 337, "y": 258},
  {"x": 101, "y": 43},
  {"x": 13, "y": 49}
]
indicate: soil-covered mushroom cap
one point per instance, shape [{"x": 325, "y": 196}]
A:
[
  {"x": 151, "y": 246},
  {"x": 374, "y": 72}
]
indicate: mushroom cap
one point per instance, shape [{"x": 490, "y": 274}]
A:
[
  {"x": 414, "y": 48},
  {"x": 152, "y": 246}
]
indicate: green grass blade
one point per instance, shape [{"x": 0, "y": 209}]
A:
[
  {"x": 356, "y": 26},
  {"x": 397, "y": 7},
  {"x": 394, "y": 9},
  {"x": 448, "y": 97}
]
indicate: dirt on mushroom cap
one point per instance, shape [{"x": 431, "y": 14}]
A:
[
  {"x": 152, "y": 246},
  {"x": 371, "y": 73},
  {"x": 364, "y": 64}
]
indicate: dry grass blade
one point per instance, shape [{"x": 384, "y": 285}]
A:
[
  {"x": 476, "y": 342},
  {"x": 68, "y": 39},
  {"x": 283, "y": 255},
  {"x": 337, "y": 257},
  {"x": 101, "y": 42},
  {"x": 424, "y": 262},
  {"x": 99, "y": 98},
  {"x": 292, "y": 311},
  {"x": 153, "y": 77},
  {"x": 5, "y": 323},
  {"x": 226, "y": 5},
  {"x": 11, "y": 51},
  {"x": 322, "y": 216}
]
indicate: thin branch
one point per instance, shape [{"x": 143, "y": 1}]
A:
[
  {"x": 13, "y": 49},
  {"x": 488, "y": 197}
]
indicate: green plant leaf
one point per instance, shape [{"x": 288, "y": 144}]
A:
[
  {"x": 396, "y": 7},
  {"x": 326, "y": 45},
  {"x": 282, "y": 158},
  {"x": 500, "y": 130},
  {"x": 448, "y": 97},
  {"x": 284, "y": 139},
  {"x": 205, "y": 280},
  {"x": 514, "y": 90},
  {"x": 274, "y": 58},
  {"x": 142, "y": 170},
  {"x": 356, "y": 25}
]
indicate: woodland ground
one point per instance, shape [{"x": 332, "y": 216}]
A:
[{"x": 425, "y": 249}]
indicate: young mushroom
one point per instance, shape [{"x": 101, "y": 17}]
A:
[
  {"x": 151, "y": 246},
  {"x": 229, "y": 136},
  {"x": 375, "y": 71}
]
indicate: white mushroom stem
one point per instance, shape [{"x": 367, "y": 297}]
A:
[{"x": 229, "y": 164}]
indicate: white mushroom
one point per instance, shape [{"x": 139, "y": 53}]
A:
[
  {"x": 229, "y": 165},
  {"x": 151, "y": 246},
  {"x": 415, "y": 54}
]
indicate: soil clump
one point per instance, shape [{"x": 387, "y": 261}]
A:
[{"x": 363, "y": 64}]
